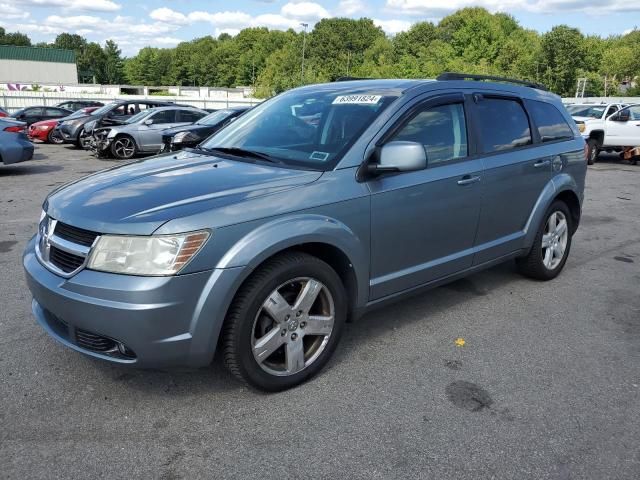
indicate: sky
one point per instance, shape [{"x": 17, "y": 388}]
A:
[{"x": 134, "y": 24}]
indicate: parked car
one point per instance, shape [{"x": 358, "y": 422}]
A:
[
  {"x": 191, "y": 135},
  {"x": 75, "y": 105},
  {"x": 78, "y": 132},
  {"x": 14, "y": 145},
  {"x": 143, "y": 132},
  {"x": 47, "y": 130},
  {"x": 3, "y": 113},
  {"x": 31, "y": 115},
  {"x": 270, "y": 235},
  {"x": 591, "y": 119}
]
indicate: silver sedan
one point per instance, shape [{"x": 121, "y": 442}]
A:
[{"x": 141, "y": 133}]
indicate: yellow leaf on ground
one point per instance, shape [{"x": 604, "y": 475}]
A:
[{"x": 459, "y": 342}]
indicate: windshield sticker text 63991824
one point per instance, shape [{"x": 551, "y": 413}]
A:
[{"x": 356, "y": 99}]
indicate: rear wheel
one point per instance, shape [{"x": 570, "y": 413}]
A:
[
  {"x": 285, "y": 322},
  {"x": 551, "y": 246},
  {"x": 123, "y": 147},
  {"x": 592, "y": 151}
]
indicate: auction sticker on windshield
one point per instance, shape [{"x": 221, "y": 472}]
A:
[{"x": 357, "y": 99}]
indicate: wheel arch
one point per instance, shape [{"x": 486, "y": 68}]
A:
[{"x": 598, "y": 136}]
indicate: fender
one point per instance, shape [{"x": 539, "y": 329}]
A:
[
  {"x": 270, "y": 238},
  {"x": 558, "y": 184}
]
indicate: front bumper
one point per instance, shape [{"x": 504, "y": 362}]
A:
[
  {"x": 162, "y": 321},
  {"x": 37, "y": 134},
  {"x": 69, "y": 134}
]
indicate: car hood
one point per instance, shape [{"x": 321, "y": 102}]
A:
[
  {"x": 584, "y": 119},
  {"x": 48, "y": 123},
  {"x": 137, "y": 198},
  {"x": 170, "y": 132}
]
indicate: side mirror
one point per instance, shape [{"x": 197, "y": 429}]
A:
[
  {"x": 148, "y": 122},
  {"x": 622, "y": 116},
  {"x": 400, "y": 157}
]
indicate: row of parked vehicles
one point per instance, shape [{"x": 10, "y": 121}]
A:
[{"x": 121, "y": 129}]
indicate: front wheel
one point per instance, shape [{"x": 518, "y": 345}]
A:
[
  {"x": 551, "y": 246},
  {"x": 285, "y": 322},
  {"x": 55, "y": 138},
  {"x": 592, "y": 151},
  {"x": 123, "y": 147}
]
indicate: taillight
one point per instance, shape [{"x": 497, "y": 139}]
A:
[{"x": 15, "y": 129}]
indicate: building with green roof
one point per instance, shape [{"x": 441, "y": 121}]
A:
[{"x": 36, "y": 65}]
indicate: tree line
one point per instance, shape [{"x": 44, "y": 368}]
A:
[{"x": 471, "y": 40}]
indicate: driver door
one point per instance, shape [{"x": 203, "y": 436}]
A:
[
  {"x": 424, "y": 223},
  {"x": 624, "y": 133},
  {"x": 151, "y": 133}
]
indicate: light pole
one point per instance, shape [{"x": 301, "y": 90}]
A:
[{"x": 304, "y": 43}]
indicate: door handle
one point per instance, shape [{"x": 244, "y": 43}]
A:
[
  {"x": 468, "y": 180},
  {"x": 542, "y": 163}
]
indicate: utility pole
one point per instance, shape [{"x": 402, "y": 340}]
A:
[{"x": 304, "y": 43}]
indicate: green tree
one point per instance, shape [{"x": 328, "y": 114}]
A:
[
  {"x": 113, "y": 66},
  {"x": 16, "y": 38},
  {"x": 562, "y": 53}
]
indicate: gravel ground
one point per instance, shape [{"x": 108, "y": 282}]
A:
[{"x": 546, "y": 386}]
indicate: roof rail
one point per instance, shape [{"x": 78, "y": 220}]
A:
[{"x": 471, "y": 76}]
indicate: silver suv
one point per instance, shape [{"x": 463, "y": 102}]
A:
[{"x": 303, "y": 214}]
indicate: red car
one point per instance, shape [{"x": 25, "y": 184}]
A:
[
  {"x": 45, "y": 130},
  {"x": 3, "y": 112}
]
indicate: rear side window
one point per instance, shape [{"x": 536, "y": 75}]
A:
[
  {"x": 53, "y": 112},
  {"x": 189, "y": 116},
  {"x": 503, "y": 124},
  {"x": 164, "y": 116},
  {"x": 549, "y": 121},
  {"x": 441, "y": 129}
]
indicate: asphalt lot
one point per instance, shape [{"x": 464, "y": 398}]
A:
[{"x": 546, "y": 386}]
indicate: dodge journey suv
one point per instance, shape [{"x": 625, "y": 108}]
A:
[{"x": 306, "y": 212}]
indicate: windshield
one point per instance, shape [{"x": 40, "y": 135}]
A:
[
  {"x": 104, "y": 109},
  {"x": 309, "y": 129},
  {"x": 139, "y": 116},
  {"x": 215, "y": 117},
  {"x": 586, "y": 111}
]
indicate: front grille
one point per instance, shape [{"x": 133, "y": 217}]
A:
[
  {"x": 75, "y": 234},
  {"x": 67, "y": 262},
  {"x": 93, "y": 342}
]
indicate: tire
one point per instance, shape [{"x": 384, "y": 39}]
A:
[
  {"x": 592, "y": 151},
  {"x": 546, "y": 263},
  {"x": 124, "y": 147},
  {"x": 55, "y": 139},
  {"x": 79, "y": 141},
  {"x": 249, "y": 323}
]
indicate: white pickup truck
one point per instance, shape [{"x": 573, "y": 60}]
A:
[{"x": 610, "y": 126}]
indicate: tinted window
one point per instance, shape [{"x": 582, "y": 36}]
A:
[
  {"x": 165, "y": 116},
  {"x": 33, "y": 112},
  {"x": 189, "y": 116},
  {"x": 442, "y": 131},
  {"x": 503, "y": 125},
  {"x": 549, "y": 121},
  {"x": 53, "y": 112},
  {"x": 586, "y": 111},
  {"x": 612, "y": 109}
]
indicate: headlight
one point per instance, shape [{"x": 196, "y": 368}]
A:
[
  {"x": 44, "y": 127},
  {"x": 179, "y": 137},
  {"x": 581, "y": 127},
  {"x": 154, "y": 255}
]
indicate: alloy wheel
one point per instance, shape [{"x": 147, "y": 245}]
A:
[
  {"x": 554, "y": 240},
  {"x": 124, "y": 147},
  {"x": 293, "y": 326}
]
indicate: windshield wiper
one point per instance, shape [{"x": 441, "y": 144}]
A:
[{"x": 242, "y": 152}]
